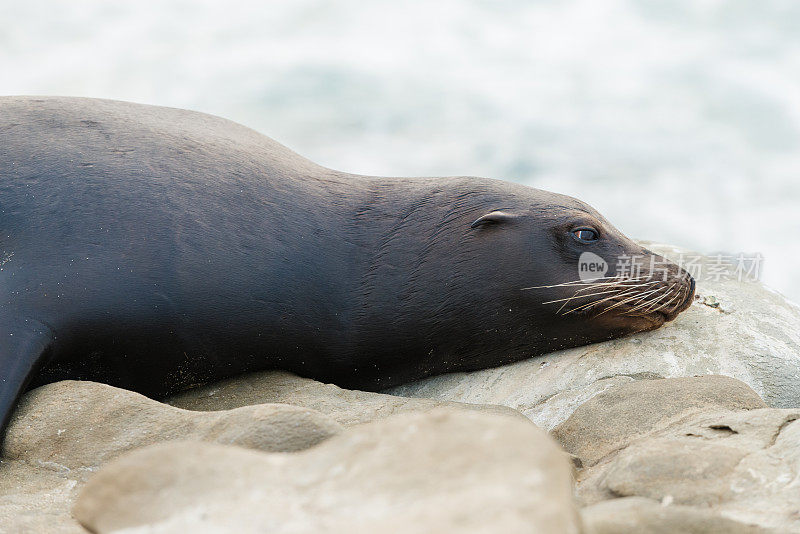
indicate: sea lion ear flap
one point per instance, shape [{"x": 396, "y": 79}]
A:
[{"x": 494, "y": 217}]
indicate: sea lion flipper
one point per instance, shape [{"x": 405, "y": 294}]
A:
[{"x": 24, "y": 343}]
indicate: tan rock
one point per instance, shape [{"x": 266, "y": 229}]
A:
[
  {"x": 62, "y": 432},
  {"x": 81, "y": 425},
  {"x": 684, "y": 471},
  {"x": 618, "y": 415},
  {"x": 740, "y": 464},
  {"x": 636, "y": 515},
  {"x": 443, "y": 471},
  {"x": 346, "y": 406},
  {"x": 36, "y": 500}
]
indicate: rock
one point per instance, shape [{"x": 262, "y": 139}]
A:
[
  {"x": 705, "y": 444},
  {"x": 81, "y": 425},
  {"x": 442, "y": 471},
  {"x": 739, "y": 464},
  {"x": 636, "y": 515},
  {"x": 36, "y": 499},
  {"x": 348, "y": 407},
  {"x": 687, "y": 471},
  {"x": 613, "y": 418},
  {"x": 61, "y": 432},
  {"x": 750, "y": 333}
]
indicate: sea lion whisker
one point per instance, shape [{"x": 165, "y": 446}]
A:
[
  {"x": 649, "y": 301},
  {"x": 595, "y": 302},
  {"x": 592, "y": 282},
  {"x": 656, "y": 305},
  {"x": 620, "y": 303},
  {"x": 670, "y": 301},
  {"x": 649, "y": 296},
  {"x": 568, "y": 300},
  {"x": 640, "y": 310},
  {"x": 582, "y": 296},
  {"x": 620, "y": 285},
  {"x": 613, "y": 289},
  {"x": 575, "y": 295},
  {"x": 634, "y": 298},
  {"x": 647, "y": 307}
]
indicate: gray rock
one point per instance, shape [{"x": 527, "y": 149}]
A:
[
  {"x": 618, "y": 415},
  {"x": 746, "y": 332},
  {"x": 636, "y": 515},
  {"x": 442, "y": 471},
  {"x": 348, "y": 407}
]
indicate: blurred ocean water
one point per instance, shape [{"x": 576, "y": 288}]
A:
[{"x": 679, "y": 120}]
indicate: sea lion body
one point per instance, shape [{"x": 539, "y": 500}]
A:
[{"x": 155, "y": 248}]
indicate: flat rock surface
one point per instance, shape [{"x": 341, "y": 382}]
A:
[{"x": 442, "y": 471}]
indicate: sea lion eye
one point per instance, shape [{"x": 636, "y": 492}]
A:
[{"x": 585, "y": 234}]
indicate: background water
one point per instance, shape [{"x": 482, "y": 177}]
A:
[{"x": 678, "y": 119}]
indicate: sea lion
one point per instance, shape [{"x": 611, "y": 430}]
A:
[{"x": 154, "y": 248}]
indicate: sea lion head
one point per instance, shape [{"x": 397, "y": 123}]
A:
[{"x": 576, "y": 276}]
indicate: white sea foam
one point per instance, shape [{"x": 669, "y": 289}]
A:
[{"x": 679, "y": 120}]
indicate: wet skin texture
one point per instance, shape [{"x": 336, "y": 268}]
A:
[{"x": 155, "y": 248}]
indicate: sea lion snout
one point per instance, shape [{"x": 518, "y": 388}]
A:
[
  {"x": 686, "y": 294},
  {"x": 670, "y": 287}
]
